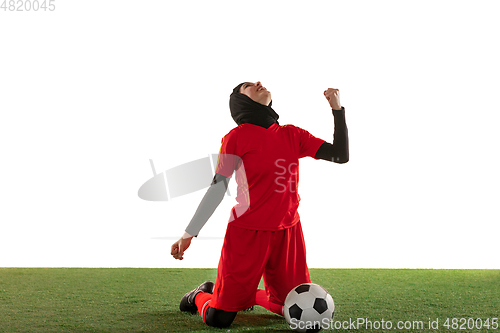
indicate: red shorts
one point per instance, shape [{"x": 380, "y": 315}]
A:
[{"x": 247, "y": 255}]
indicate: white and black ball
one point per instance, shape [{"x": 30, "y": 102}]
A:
[{"x": 308, "y": 308}]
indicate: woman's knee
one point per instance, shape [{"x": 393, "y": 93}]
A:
[{"x": 219, "y": 318}]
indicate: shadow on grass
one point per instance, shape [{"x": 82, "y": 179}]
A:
[
  {"x": 176, "y": 321},
  {"x": 168, "y": 321},
  {"x": 254, "y": 322}
]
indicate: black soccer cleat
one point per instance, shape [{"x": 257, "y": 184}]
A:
[{"x": 187, "y": 301}]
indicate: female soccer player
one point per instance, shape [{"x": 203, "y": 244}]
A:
[{"x": 264, "y": 235}]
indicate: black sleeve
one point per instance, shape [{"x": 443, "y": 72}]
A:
[
  {"x": 337, "y": 152},
  {"x": 208, "y": 204}
]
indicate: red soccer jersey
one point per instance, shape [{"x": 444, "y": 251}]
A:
[{"x": 267, "y": 173}]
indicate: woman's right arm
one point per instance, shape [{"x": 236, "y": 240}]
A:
[{"x": 207, "y": 206}]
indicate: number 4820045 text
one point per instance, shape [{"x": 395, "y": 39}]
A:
[{"x": 28, "y": 5}]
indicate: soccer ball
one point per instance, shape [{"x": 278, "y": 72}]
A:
[{"x": 308, "y": 308}]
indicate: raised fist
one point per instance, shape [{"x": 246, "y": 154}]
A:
[{"x": 332, "y": 95}]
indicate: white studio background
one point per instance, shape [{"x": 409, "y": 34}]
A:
[{"x": 93, "y": 90}]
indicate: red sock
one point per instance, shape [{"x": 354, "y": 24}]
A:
[
  {"x": 202, "y": 300},
  {"x": 262, "y": 300}
]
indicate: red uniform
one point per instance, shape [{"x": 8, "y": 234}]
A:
[{"x": 264, "y": 236}]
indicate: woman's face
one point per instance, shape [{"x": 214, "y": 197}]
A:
[{"x": 256, "y": 92}]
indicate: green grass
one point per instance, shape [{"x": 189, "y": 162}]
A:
[{"x": 146, "y": 300}]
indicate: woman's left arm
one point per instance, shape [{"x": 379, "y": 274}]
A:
[{"x": 338, "y": 152}]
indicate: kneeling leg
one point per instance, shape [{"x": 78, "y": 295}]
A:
[{"x": 219, "y": 318}]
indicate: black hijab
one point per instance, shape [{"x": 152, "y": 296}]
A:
[{"x": 245, "y": 110}]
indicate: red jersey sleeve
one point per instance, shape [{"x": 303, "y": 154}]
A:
[
  {"x": 309, "y": 144},
  {"x": 228, "y": 159}
]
